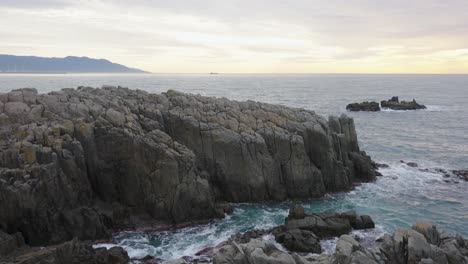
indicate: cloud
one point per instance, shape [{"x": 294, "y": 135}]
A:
[
  {"x": 241, "y": 35},
  {"x": 33, "y": 4}
]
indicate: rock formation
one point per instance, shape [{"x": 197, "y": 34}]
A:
[
  {"x": 364, "y": 106},
  {"x": 421, "y": 244},
  {"x": 82, "y": 162},
  {"x": 13, "y": 250},
  {"x": 394, "y": 104}
]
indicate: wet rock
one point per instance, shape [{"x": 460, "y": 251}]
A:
[
  {"x": 327, "y": 224},
  {"x": 365, "y": 106},
  {"x": 462, "y": 174},
  {"x": 395, "y": 104},
  {"x": 299, "y": 241},
  {"x": 296, "y": 212},
  {"x": 403, "y": 247}
]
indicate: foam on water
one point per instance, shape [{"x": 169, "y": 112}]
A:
[{"x": 401, "y": 196}]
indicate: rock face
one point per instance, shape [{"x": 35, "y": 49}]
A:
[
  {"x": 71, "y": 252},
  {"x": 422, "y": 244},
  {"x": 80, "y": 162},
  {"x": 395, "y": 104},
  {"x": 365, "y": 106}
]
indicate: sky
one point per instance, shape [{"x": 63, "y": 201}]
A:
[{"x": 245, "y": 36}]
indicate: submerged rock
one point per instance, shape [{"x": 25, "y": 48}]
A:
[
  {"x": 365, "y": 106},
  {"x": 462, "y": 174},
  {"x": 394, "y": 104}
]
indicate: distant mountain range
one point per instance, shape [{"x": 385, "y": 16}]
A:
[{"x": 70, "y": 64}]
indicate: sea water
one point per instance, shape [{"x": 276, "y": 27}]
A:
[{"x": 436, "y": 137}]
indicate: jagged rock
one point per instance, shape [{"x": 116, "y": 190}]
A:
[
  {"x": 327, "y": 224},
  {"x": 73, "y": 252},
  {"x": 81, "y": 162},
  {"x": 358, "y": 221},
  {"x": 395, "y": 104},
  {"x": 403, "y": 247},
  {"x": 365, "y": 106},
  {"x": 324, "y": 225},
  {"x": 9, "y": 243},
  {"x": 428, "y": 230}
]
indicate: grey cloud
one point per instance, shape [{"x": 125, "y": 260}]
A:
[{"x": 30, "y": 4}]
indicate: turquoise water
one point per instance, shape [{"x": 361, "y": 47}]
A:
[{"x": 434, "y": 138}]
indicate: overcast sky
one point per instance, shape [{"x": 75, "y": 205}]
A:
[{"x": 245, "y": 36}]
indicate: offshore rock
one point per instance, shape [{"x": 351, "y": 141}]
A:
[
  {"x": 364, "y": 106},
  {"x": 394, "y": 104},
  {"x": 82, "y": 162}
]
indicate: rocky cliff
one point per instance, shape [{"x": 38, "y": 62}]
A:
[{"x": 80, "y": 162}]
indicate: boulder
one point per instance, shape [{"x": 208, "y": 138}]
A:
[
  {"x": 299, "y": 241},
  {"x": 327, "y": 224},
  {"x": 395, "y": 104},
  {"x": 428, "y": 230},
  {"x": 365, "y": 106},
  {"x": 255, "y": 251},
  {"x": 324, "y": 225}
]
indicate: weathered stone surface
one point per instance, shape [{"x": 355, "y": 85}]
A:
[
  {"x": 69, "y": 158},
  {"x": 326, "y": 224},
  {"x": 428, "y": 230}
]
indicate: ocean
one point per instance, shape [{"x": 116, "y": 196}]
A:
[{"x": 436, "y": 137}]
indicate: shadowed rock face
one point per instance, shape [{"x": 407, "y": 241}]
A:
[{"x": 78, "y": 162}]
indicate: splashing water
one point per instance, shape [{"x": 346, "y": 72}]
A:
[{"x": 401, "y": 196}]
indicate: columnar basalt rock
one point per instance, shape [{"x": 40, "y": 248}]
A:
[{"x": 79, "y": 162}]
